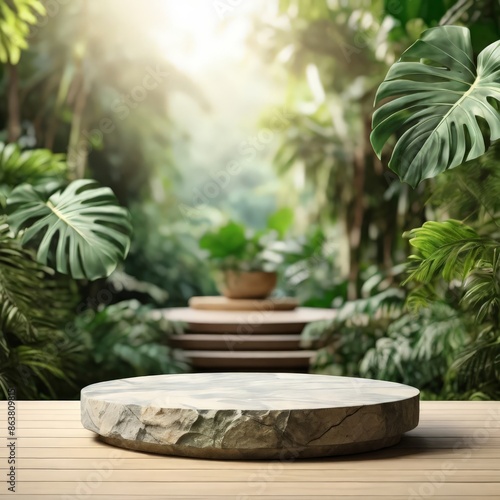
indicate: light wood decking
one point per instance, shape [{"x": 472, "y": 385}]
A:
[{"x": 453, "y": 453}]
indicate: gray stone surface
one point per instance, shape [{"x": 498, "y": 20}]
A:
[{"x": 250, "y": 415}]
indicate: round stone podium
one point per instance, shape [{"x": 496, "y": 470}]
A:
[{"x": 250, "y": 415}]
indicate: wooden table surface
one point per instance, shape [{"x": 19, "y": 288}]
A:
[{"x": 453, "y": 453}]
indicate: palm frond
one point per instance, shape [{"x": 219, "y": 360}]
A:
[
  {"x": 471, "y": 194},
  {"x": 419, "y": 349},
  {"x": 478, "y": 365},
  {"x": 32, "y": 166},
  {"x": 449, "y": 249}
]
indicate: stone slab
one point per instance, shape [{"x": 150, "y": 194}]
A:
[{"x": 250, "y": 415}]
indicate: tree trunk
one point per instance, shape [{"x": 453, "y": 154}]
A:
[
  {"x": 355, "y": 229},
  {"x": 78, "y": 146},
  {"x": 13, "y": 110}
]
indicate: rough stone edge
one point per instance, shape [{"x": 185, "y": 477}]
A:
[{"x": 309, "y": 451}]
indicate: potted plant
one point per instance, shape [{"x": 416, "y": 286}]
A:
[{"x": 247, "y": 260}]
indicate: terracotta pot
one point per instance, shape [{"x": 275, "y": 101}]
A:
[{"x": 247, "y": 285}]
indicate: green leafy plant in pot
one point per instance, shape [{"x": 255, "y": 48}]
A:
[{"x": 247, "y": 261}]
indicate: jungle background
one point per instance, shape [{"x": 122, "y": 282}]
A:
[{"x": 198, "y": 112}]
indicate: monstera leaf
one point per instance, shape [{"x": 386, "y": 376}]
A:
[
  {"x": 79, "y": 231},
  {"x": 445, "y": 107}
]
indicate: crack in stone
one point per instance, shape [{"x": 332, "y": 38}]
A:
[
  {"x": 280, "y": 432},
  {"x": 334, "y": 425}
]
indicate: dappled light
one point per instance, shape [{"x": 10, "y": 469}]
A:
[
  {"x": 250, "y": 249},
  {"x": 164, "y": 165}
]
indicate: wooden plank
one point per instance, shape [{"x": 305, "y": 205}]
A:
[
  {"x": 406, "y": 442},
  {"x": 257, "y": 487},
  {"x": 244, "y": 355},
  {"x": 220, "y": 303},
  {"x": 23, "y": 433},
  {"x": 81, "y": 442},
  {"x": 101, "y": 450},
  {"x": 454, "y": 432},
  {"x": 217, "y": 342},
  {"x": 328, "y": 496},
  {"x": 268, "y": 360},
  {"x": 241, "y": 475},
  {"x": 57, "y": 458},
  {"x": 149, "y": 462},
  {"x": 301, "y": 315},
  {"x": 73, "y": 423}
]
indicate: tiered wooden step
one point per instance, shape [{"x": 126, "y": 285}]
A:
[
  {"x": 225, "y": 304},
  {"x": 247, "y": 322},
  {"x": 232, "y": 342},
  {"x": 251, "y": 360},
  {"x": 247, "y": 335}
]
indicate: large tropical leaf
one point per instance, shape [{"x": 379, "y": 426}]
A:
[
  {"x": 79, "y": 231},
  {"x": 445, "y": 107}
]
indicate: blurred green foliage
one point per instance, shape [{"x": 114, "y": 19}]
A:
[
  {"x": 167, "y": 254},
  {"x": 16, "y": 19},
  {"x": 122, "y": 340},
  {"x": 72, "y": 93}
]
